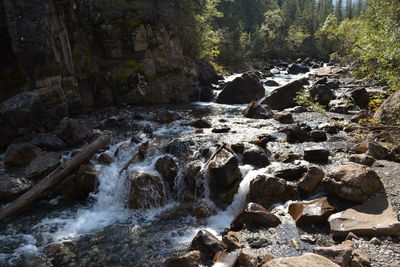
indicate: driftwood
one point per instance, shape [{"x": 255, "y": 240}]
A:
[{"x": 53, "y": 179}]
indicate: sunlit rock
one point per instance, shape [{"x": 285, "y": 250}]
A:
[{"x": 311, "y": 212}]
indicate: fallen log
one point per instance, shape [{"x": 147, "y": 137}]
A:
[{"x": 53, "y": 179}]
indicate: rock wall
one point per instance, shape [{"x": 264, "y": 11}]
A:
[{"x": 83, "y": 55}]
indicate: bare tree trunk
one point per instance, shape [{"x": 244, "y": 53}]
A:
[{"x": 53, "y": 179}]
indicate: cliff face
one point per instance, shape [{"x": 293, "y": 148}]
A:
[{"x": 82, "y": 55}]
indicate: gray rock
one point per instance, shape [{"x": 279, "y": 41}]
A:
[
  {"x": 353, "y": 182},
  {"x": 42, "y": 165},
  {"x": 362, "y": 159},
  {"x": 284, "y": 97}
]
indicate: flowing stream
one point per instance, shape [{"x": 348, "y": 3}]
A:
[{"x": 105, "y": 220}]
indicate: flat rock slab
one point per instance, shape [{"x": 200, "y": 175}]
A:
[
  {"x": 374, "y": 217},
  {"x": 306, "y": 260}
]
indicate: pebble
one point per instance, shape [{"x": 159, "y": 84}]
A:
[{"x": 375, "y": 241}]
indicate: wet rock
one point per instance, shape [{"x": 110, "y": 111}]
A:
[
  {"x": 254, "y": 214},
  {"x": 298, "y": 134},
  {"x": 339, "y": 106},
  {"x": 362, "y": 159},
  {"x": 284, "y": 97},
  {"x": 165, "y": 117},
  {"x": 257, "y": 111},
  {"x": 207, "y": 74},
  {"x": 11, "y": 188},
  {"x": 53, "y": 248},
  {"x": 323, "y": 80},
  {"x": 72, "y": 132},
  {"x": 105, "y": 158},
  {"x": 225, "y": 259},
  {"x": 203, "y": 94},
  {"x": 231, "y": 241},
  {"x": 268, "y": 190},
  {"x": 318, "y": 136},
  {"x": 352, "y": 181},
  {"x": 316, "y": 211},
  {"x": 271, "y": 83},
  {"x": 256, "y": 157},
  {"x": 389, "y": 111},
  {"x": 331, "y": 128},
  {"x": 238, "y": 148},
  {"x": 48, "y": 142},
  {"x": 290, "y": 172},
  {"x": 168, "y": 169},
  {"x": 376, "y": 217},
  {"x": 360, "y": 97},
  {"x": 306, "y": 260},
  {"x": 206, "y": 243},
  {"x": 182, "y": 149},
  {"x": 111, "y": 122},
  {"x": 201, "y": 123},
  {"x": 297, "y": 69},
  {"x": 304, "y": 81},
  {"x": 224, "y": 169},
  {"x": 42, "y": 165},
  {"x": 322, "y": 93},
  {"x": 316, "y": 155},
  {"x": 284, "y": 117},
  {"x": 310, "y": 181},
  {"x": 146, "y": 191},
  {"x": 192, "y": 171},
  {"x": 333, "y": 84},
  {"x": 377, "y": 150},
  {"x": 338, "y": 254},
  {"x": 79, "y": 186},
  {"x": 20, "y": 154},
  {"x": 298, "y": 109},
  {"x": 190, "y": 259},
  {"x": 202, "y": 209},
  {"x": 242, "y": 90},
  {"x": 221, "y": 130}
]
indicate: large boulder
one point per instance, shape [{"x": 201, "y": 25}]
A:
[
  {"x": 207, "y": 243},
  {"x": 20, "y": 154},
  {"x": 257, "y": 111},
  {"x": 322, "y": 93},
  {"x": 376, "y": 217},
  {"x": 206, "y": 72},
  {"x": 338, "y": 254},
  {"x": 353, "y": 182},
  {"x": 22, "y": 110},
  {"x": 42, "y": 165},
  {"x": 297, "y": 69},
  {"x": 224, "y": 169},
  {"x": 311, "y": 212},
  {"x": 267, "y": 191},
  {"x": 146, "y": 191},
  {"x": 168, "y": 169},
  {"x": 284, "y": 97},
  {"x": 389, "y": 111},
  {"x": 48, "y": 142},
  {"x": 306, "y": 260},
  {"x": 11, "y": 188},
  {"x": 256, "y": 157},
  {"x": 254, "y": 214},
  {"x": 360, "y": 97},
  {"x": 242, "y": 90},
  {"x": 78, "y": 186}
]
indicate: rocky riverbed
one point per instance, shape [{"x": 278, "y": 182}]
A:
[{"x": 246, "y": 179}]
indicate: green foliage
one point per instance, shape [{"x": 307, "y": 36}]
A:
[{"x": 305, "y": 99}]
